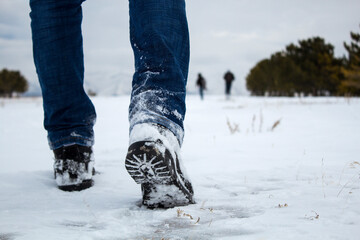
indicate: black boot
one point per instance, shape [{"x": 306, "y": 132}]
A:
[
  {"x": 157, "y": 168},
  {"x": 74, "y": 167}
]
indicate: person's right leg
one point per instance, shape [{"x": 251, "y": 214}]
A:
[
  {"x": 201, "y": 93},
  {"x": 160, "y": 40},
  {"x": 228, "y": 87},
  {"x": 68, "y": 111}
]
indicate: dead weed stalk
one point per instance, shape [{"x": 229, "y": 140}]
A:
[
  {"x": 233, "y": 127},
  {"x": 275, "y": 124},
  {"x": 181, "y": 213}
]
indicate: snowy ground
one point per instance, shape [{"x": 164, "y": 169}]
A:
[{"x": 299, "y": 181}]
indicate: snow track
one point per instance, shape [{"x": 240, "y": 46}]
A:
[{"x": 300, "y": 180}]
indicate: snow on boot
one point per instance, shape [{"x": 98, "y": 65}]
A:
[
  {"x": 74, "y": 167},
  {"x": 154, "y": 163}
]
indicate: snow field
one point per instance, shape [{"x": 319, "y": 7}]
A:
[{"x": 298, "y": 181}]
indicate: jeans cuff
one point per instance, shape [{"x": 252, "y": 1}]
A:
[
  {"x": 57, "y": 140},
  {"x": 151, "y": 117}
]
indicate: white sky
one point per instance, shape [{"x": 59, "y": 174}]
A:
[{"x": 225, "y": 34}]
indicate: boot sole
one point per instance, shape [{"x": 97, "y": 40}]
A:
[
  {"x": 78, "y": 187},
  {"x": 158, "y": 177}
]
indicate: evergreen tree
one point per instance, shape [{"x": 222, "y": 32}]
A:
[
  {"x": 286, "y": 75},
  {"x": 258, "y": 81},
  {"x": 12, "y": 82},
  {"x": 277, "y": 76},
  {"x": 309, "y": 67},
  {"x": 351, "y": 83},
  {"x": 353, "y": 49},
  {"x": 316, "y": 59}
]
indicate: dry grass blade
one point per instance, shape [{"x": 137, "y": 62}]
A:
[
  {"x": 188, "y": 215},
  {"x": 354, "y": 164},
  {"x": 353, "y": 179},
  {"x": 282, "y": 206},
  {"x": 232, "y": 127},
  {"x": 261, "y": 120},
  {"x": 275, "y": 124},
  {"x": 179, "y": 212},
  {"x": 317, "y": 216},
  {"x": 253, "y": 123}
]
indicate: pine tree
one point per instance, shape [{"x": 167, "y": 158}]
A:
[
  {"x": 351, "y": 83},
  {"x": 12, "y": 82},
  {"x": 316, "y": 59}
]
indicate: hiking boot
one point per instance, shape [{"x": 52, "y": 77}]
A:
[
  {"x": 155, "y": 164},
  {"x": 74, "y": 167}
]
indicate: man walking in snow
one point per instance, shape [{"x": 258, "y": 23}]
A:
[
  {"x": 201, "y": 83},
  {"x": 229, "y": 78},
  {"x": 160, "y": 41}
]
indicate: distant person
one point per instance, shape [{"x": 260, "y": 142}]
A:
[
  {"x": 229, "y": 78},
  {"x": 201, "y": 83},
  {"x": 160, "y": 41}
]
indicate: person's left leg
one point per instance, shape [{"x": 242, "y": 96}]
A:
[
  {"x": 69, "y": 113},
  {"x": 58, "y": 57}
]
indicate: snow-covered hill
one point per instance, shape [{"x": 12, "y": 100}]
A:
[{"x": 254, "y": 179}]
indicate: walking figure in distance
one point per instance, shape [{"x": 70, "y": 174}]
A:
[
  {"x": 229, "y": 78},
  {"x": 160, "y": 41},
  {"x": 201, "y": 83}
]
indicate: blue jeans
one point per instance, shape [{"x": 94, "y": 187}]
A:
[
  {"x": 160, "y": 41},
  {"x": 201, "y": 91},
  {"x": 227, "y": 87}
]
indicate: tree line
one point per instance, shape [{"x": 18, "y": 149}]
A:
[{"x": 308, "y": 68}]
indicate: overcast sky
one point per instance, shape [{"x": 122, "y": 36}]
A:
[{"x": 225, "y": 34}]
